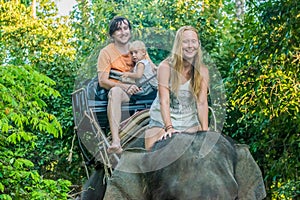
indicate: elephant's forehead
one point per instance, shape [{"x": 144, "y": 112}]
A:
[
  {"x": 203, "y": 147},
  {"x": 207, "y": 154},
  {"x": 205, "y": 169}
]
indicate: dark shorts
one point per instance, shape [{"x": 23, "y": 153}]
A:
[{"x": 150, "y": 96}]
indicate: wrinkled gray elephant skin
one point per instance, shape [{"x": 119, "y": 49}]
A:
[
  {"x": 94, "y": 188},
  {"x": 206, "y": 166}
]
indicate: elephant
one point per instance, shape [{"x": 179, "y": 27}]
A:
[{"x": 205, "y": 165}]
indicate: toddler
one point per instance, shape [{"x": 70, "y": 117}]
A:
[{"x": 143, "y": 73}]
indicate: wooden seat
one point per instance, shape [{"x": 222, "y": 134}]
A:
[{"x": 92, "y": 128}]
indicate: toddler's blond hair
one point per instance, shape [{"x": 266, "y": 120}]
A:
[{"x": 138, "y": 45}]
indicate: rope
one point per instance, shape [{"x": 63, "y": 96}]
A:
[
  {"x": 85, "y": 167},
  {"x": 214, "y": 117},
  {"x": 107, "y": 158},
  {"x": 69, "y": 158},
  {"x": 99, "y": 133},
  {"x": 106, "y": 176}
]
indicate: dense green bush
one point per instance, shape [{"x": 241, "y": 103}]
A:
[
  {"x": 22, "y": 117},
  {"x": 264, "y": 91},
  {"x": 45, "y": 42}
]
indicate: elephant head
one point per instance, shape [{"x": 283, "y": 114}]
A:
[{"x": 204, "y": 165}]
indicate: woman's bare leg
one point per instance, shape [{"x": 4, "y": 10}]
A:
[
  {"x": 151, "y": 136},
  {"x": 193, "y": 129}
]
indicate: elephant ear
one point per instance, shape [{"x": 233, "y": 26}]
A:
[{"x": 248, "y": 175}]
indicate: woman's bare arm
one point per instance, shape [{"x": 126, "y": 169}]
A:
[
  {"x": 164, "y": 92},
  {"x": 202, "y": 103}
]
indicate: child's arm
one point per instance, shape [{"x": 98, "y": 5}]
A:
[
  {"x": 135, "y": 75},
  {"x": 154, "y": 67}
]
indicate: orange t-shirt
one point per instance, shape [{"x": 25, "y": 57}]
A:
[{"x": 110, "y": 58}]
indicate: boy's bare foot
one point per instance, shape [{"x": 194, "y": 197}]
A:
[{"x": 115, "y": 148}]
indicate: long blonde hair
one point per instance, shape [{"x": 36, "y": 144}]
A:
[{"x": 176, "y": 63}]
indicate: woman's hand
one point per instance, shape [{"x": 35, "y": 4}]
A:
[{"x": 169, "y": 133}]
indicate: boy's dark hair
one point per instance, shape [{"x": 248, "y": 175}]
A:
[{"x": 116, "y": 22}]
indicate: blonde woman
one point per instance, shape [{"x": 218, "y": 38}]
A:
[{"x": 181, "y": 103}]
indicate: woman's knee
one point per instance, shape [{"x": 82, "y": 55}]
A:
[{"x": 151, "y": 136}]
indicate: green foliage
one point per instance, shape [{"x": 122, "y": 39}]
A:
[
  {"x": 47, "y": 44},
  {"x": 285, "y": 190},
  {"x": 27, "y": 40},
  {"x": 22, "y": 116},
  {"x": 264, "y": 90},
  {"x": 21, "y": 108},
  {"x": 258, "y": 57}
]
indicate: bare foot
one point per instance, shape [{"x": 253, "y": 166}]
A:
[{"x": 115, "y": 148}]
